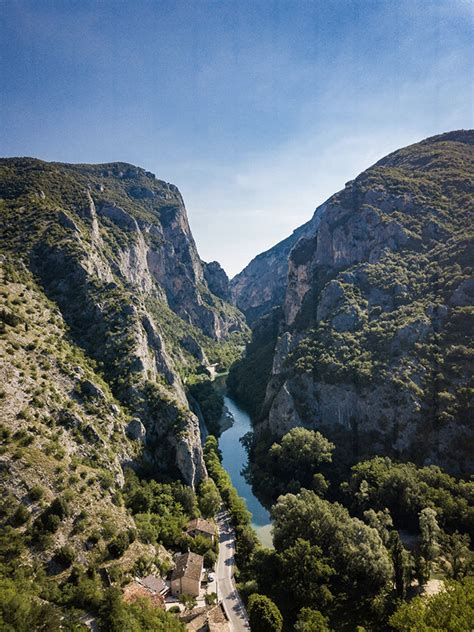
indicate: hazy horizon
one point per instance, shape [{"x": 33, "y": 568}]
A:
[{"x": 257, "y": 111}]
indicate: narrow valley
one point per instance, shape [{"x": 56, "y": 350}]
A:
[
  {"x": 235, "y": 460},
  {"x": 131, "y": 478}
]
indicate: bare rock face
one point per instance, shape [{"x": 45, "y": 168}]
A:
[
  {"x": 195, "y": 349},
  {"x": 67, "y": 222},
  {"x": 135, "y": 430},
  {"x": 217, "y": 280},
  {"x": 261, "y": 285},
  {"x": 283, "y": 415},
  {"x": 463, "y": 295},
  {"x": 377, "y": 296},
  {"x": 92, "y": 390},
  {"x": 283, "y": 346},
  {"x": 189, "y": 455},
  {"x": 342, "y": 239},
  {"x": 118, "y": 216}
]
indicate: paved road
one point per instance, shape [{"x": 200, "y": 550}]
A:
[{"x": 226, "y": 590}]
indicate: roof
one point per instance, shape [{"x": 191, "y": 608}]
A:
[
  {"x": 210, "y": 619},
  {"x": 135, "y": 591},
  {"x": 188, "y": 565},
  {"x": 153, "y": 583},
  {"x": 217, "y": 619},
  {"x": 199, "y": 524}
]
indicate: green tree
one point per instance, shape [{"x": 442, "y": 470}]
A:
[
  {"x": 188, "y": 601},
  {"x": 430, "y": 531},
  {"x": 458, "y": 558},
  {"x": 380, "y": 520},
  {"x": 246, "y": 542},
  {"x": 148, "y": 618},
  {"x": 407, "y": 489},
  {"x": 141, "y": 616},
  {"x": 421, "y": 567},
  {"x": 20, "y": 516},
  {"x": 209, "y": 498},
  {"x": 401, "y": 564},
  {"x": 186, "y": 497},
  {"x": 304, "y": 568},
  {"x": 211, "y": 598},
  {"x": 21, "y": 611},
  {"x": 113, "y": 613},
  {"x": 299, "y": 453},
  {"x": 264, "y": 615},
  {"x": 119, "y": 544},
  {"x": 311, "y": 621},
  {"x": 452, "y": 609},
  {"x": 319, "y": 484},
  {"x": 354, "y": 550}
]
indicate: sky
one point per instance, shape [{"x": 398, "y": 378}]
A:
[{"x": 257, "y": 110}]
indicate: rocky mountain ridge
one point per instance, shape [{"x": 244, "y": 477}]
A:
[
  {"x": 372, "y": 345},
  {"x": 261, "y": 285},
  {"x": 106, "y": 312}
]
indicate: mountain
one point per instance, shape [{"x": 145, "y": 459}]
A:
[
  {"x": 106, "y": 311},
  {"x": 261, "y": 284},
  {"x": 369, "y": 340}
]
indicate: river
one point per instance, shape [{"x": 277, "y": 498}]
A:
[{"x": 234, "y": 458}]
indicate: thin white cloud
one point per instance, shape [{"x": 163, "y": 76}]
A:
[
  {"x": 240, "y": 210},
  {"x": 239, "y": 215}
]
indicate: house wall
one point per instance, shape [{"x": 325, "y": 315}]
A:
[
  {"x": 190, "y": 586},
  {"x": 176, "y": 587},
  {"x": 185, "y": 585}
]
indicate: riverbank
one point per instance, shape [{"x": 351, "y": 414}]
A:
[
  {"x": 234, "y": 460},
  {"x": 233, "y": 424}
]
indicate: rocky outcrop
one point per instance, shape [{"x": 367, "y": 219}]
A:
[
  {"x": 217, "y": 280},
  {"x": 261, "y": 285},
  {"x": 189, "y": 455},
  {"x": 377, "y": 297},
  {"x": 118, "y": 216},
  {"x": 135, "y": 430}
]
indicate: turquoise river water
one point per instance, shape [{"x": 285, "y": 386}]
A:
[{"x": 234, "y": 458}]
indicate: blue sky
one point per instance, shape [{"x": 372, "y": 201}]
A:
[{"x": 258, "y": 111}]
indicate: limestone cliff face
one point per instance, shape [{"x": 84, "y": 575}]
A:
[
  {"x": 373, "y": 346},
  {"x": 112, "y": 248},
  {"x": 261, "y": 285},
  {"x": 217, "y": 280}
]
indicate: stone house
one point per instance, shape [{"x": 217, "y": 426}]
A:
[
  {"x": 199, "y": 526},
  {"x": 186, "y": 576}
]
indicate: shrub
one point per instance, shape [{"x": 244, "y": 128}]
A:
[
  {"x": 65, "y": 555},
  {"x": 36, "y": 492},
  {"x": 20, "y": 516},
  {"x": 119, "y": 544}
]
